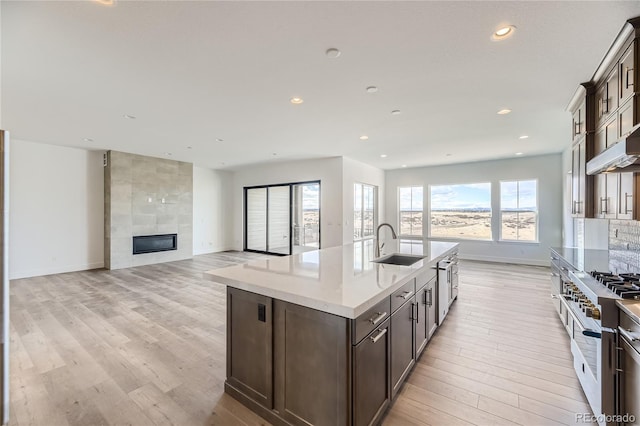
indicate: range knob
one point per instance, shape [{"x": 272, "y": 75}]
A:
[{"x": 595, "y": 313}]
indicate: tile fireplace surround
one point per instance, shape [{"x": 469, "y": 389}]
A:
[{"x": 146, "y": 196}]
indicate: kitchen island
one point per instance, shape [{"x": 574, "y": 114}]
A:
[{"x": 328, "y": 336}]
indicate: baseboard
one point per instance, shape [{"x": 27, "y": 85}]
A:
[
  {"x": 16, "y": 275},
  {"x": 212, "y": 250},
  {"x": 515, "y": 261}
]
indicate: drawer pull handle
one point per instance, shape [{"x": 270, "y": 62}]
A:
[
  {"x": 405, "y": 294},
  {"x": 377, "y": 337},
  {"x": 626, "y": 203},
  {"x": 379, "y": 317}
]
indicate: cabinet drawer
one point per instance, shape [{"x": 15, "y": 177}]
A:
[
  {"x": 403, "y": 294},
  {"x": 371, "y": 319},
  {"x": 630, "y": 329}
]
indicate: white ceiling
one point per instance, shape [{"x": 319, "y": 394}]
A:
[{"x": 192, "y": 72}]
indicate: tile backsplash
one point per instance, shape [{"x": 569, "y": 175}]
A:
[{"x": 624, "y": 245}]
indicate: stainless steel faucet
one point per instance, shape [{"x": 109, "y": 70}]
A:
[{"x": 378, "y": 246}]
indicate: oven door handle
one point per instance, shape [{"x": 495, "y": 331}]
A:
[
  {"x": 630, "y": 336},
  {"x": 585, "y": 331}
]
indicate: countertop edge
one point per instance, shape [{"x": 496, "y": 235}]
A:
[
  {"x": 635, "y": 316},
  {"x": 340, "y": 310}
]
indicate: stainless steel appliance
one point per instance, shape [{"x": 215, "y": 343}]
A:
[
  {"x": 628, "y": 370},
  {"x": 588, "y": 311},
  {"x": 447, "y": 285},
  {"x": 622, "y": 156}
]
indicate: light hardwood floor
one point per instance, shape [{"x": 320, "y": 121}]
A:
[{"x": 146, "y": 345}]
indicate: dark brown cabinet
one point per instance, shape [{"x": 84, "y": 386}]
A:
[
  {"x": 426, "y": 315},
  {"x": 627, "y": 73},
  {"x": 296, "y": 365},
  {"x": 607, "y": 97},
  {"x": 580, "y": 182},
  {"x": 402, "y": 350},
  {"x": 311, "y": 365},
  {"x": 249, "y": 345},
  {"x": 371, "y": 386}
]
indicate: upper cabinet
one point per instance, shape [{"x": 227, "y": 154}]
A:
[
  {"x": 627, "y": 70},
  {"x": 581, "y": 108},
  {"x": 607, "y": 97},
  {"x": 604, "y": 111}
]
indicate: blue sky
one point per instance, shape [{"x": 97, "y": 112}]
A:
[
  {"x": 513, "y": 195},
  {"x": 465, "y": 196}
]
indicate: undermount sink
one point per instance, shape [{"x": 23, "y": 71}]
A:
[{"x": 399, "y": 259}]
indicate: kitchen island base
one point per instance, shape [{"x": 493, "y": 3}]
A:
[{"x": 295, "y": 365}]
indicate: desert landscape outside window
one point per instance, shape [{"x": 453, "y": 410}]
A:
[
  {"x": 460, "y": 211},
  {"x": 519, "y": 210},
  {"x": 410, "y": 211},
  {"x": 364, "y": 211}
]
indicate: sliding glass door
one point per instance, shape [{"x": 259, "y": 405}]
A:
[{"x": 282, "y": 219}]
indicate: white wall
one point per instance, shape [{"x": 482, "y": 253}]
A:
[
  {"x": 547, "y": 169},
  {"x": 355, "y": 171},
  {"x": 328, "y": 171},
  {"x": 212, "y": 210},
  {"x": 56, "y": 209}
]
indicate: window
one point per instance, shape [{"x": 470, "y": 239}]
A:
[
  {"x": 410, "y": 211},
  {"x": 461, "y": 211},
  {"x": 364, "y": 210},
  {"x": 519, "y": 210}
]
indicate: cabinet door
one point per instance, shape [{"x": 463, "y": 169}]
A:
[
  {"x": 432, "y": 308},
  {"x": 575, "y": 181},
  {"x": 371, "y": 389},
  {"x": 601, "y": 195},
  {"x": 402, "y": 350},
  {"x": 249, "y": 345},
  {"x": 626, "y": 196},
  {"x": 422, "y": 325},
  {"x": 625, "y": 119},
  {"x": 311, "y": 369},
  {"x": 607, "y": 97},
  {"x": 578, "y": 122},
  {"x": 627, "y": 74},
  {"x": 611, "y": 197}
]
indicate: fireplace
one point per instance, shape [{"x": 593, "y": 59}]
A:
[{"x": 154, "y": 243}]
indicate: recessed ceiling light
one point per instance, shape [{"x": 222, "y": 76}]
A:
[
  {"x": 274, "y": 154},
  {"x": 168, "y": 154},
  {"x": 504, "y": 111},
  {"x": 106, "y": 2},
  {"x": 372, "y": 89},
  {"x": 222, "y": 163},
  {"x": 524, "y": 137},
  {"x": 219, "y": 140},
  {"x": 395, "y": 112},
  {"x": 333, "y": 53},
  {"x": 129, "y": 117},
  {"x": 383, "y": 155},
  {"x": 448, "y": 155},
  {"x": 87, "y": 140},
  {"x": 296, "y": 101},
  {"x": 403, "y": 166},
  {"x": 364, "y": 137},
  {"x": 503, "y": 32},
  {"x": 189, "y": 147},
  {"x": 519, "y": 153}
]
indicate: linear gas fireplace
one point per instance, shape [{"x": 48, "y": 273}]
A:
[{"x": 154, "y": 243}]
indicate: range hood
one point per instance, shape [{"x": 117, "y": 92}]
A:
[{"x": 622, "y": 157}]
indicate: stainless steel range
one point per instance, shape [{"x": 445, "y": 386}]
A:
[{"x": 587, "y": 307}]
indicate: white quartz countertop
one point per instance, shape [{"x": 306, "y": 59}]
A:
[{"x": 338, "y": 280}]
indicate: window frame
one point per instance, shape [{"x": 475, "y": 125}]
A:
[
  {"x": 375, "y": 211},
  {"x": 491, "y": 218},
  {"x": 399, "y": 222},
  {"x": 537, "y": 212}
]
